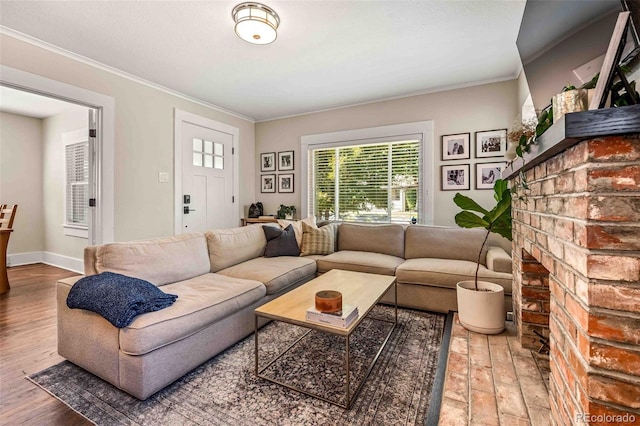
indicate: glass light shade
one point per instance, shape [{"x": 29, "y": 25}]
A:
[{"x": 256, "y": 23}]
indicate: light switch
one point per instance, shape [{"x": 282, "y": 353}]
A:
[{"x": 163, "y": 177}]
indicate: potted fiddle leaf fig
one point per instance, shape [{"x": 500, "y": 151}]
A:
[
  {"x": 286, "y": 212},
  {"x": 481, "y": 303}
]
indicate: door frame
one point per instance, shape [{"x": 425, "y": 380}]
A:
[
  {"x": 180, "y": 117},
  {"x": 103, "y": 229}
]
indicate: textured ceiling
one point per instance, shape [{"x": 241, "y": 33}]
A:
[{"x": 328, "y": 53}]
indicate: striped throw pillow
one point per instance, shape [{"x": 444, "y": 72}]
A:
[{"x": 318, "y": 240}]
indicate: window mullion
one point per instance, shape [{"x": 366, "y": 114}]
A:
[{"x": 337, "y": 184}]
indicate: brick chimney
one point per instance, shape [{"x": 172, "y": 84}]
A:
[{"x": 576, "y": 252}]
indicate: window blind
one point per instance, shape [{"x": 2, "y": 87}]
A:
[
  {"x": 375, "y": 182},
  {"x": 77, "y": 184}
]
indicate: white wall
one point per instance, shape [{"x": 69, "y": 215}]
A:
[
  {"x": 143, "y": 137},
  {"x": 21, "y": 179},
  {"x": 53, "y": 174},
  {"x": 472, "y": 109}
]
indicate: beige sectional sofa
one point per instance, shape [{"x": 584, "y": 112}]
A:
[{"x": 220, "y": 277}]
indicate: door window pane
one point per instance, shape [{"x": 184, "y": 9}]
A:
[
  {"x": 197, "y": 159},
  {"x": 218, "y": 148},
  {"x": 219, "y": 163},
  {"x": 197, "y": 145},
  {"x": 208, "y": 147},
  {"x": 208, "y": 161}
]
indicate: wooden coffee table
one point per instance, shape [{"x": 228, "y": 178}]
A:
[{"x": 360, "y": 289}]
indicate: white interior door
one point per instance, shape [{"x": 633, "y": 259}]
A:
[{"x": 207, "y": 179}]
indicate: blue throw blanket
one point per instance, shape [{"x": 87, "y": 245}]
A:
[{"x": 118, "y": 298}]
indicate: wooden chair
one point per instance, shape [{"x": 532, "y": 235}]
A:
[{"x": 7, "y": 215}]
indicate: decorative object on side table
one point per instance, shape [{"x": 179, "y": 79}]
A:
[
  {"x": 491, "y": 143},
  {"x": 286, "y": 212},
  {"x": 268, "y": 162},
  {"x": 456, "y": 147},
  {"x": 268, "y": 183},
  {"x": 256, "y": 210},
  {"x": 455, "y": 178},
  {"x": 285, "y": 182},
  {"x": 285, "y": 160},
  {"x": 481, "y": 303}
]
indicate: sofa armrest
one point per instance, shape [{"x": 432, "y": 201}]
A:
[{"x": 498, "y": 260}]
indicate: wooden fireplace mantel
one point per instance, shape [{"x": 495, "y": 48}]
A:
[{"x": 573, "y": 128}]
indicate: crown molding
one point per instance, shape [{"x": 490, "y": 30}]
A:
[{"x": 87, "y": 61}]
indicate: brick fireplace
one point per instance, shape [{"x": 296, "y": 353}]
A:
[{"x": 576, "y": 252}]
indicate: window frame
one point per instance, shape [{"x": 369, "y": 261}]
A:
[{"x": 422, "y": 131}]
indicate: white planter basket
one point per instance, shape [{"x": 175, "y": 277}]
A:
[{"x": 481, "y": 311}]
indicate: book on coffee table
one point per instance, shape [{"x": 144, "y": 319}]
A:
[{"x": 340, "y": 319}]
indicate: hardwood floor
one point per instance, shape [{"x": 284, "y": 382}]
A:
[{"x": 27, "y": 345}]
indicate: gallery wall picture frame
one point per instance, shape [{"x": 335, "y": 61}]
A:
[
  {"x": 455, "y": 177},
  {"x": 285, "y": 160},
  {"x": 268, "y": 162},
  {"x": 491, "y": 143},
  {"x": 488, "y": 173},
  {"x": 456, "y": 146},
  {"x": 285, "y": 182},
  {"x": 267, "y": 183}
]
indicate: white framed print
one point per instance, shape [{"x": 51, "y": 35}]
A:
[
  {"x": 488, "y": 173},
  {"x": 455, "y": 178},
  {"x": 268, "y": 162},
  {"x": 267, "y": 183},
  {"x": 491, "y": 143},
  {"x": 285, "y": 182},
  {"x": 456, "y": 147},
  {"x": 285, "y": 160}
]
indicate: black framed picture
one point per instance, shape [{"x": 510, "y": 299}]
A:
[
  {"x": 491, "y": 143},
  {"x": 488, "y": 173},
  {"x": 285, "y": 160},
  {"x": 285, "y": 182},
  {"x": 455, "y": 178},
  {"x": 456, "y": 147},
  {"x": 268, "y": 183},
  {"x": 268, "y": 162}
]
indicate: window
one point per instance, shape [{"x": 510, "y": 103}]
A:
[
  {"x": 208, "y": 154},
  {"x": 77, "y": 185},
  {"x": 376, "y": 182},
  {"x": 369, "y": 175}
]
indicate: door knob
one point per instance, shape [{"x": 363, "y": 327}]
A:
[{"x": 186, "y": 210}]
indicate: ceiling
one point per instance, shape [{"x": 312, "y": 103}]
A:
[
  {"x": 32, "y": 105},
  {"x": 328, "y": 54}
]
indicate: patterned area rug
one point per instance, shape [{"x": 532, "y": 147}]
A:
[{"x": 225, "y": 390}]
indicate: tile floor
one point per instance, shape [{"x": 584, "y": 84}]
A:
[{"x": 492, "y": 380}]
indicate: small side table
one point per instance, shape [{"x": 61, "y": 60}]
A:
[
  {"x": 249, "y": 220},
  {"x": 4, "y": 242}
]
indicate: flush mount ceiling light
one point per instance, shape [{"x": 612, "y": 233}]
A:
[{"x": 256, "y": 23}]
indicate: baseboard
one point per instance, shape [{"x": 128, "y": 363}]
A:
[{"x": 58, "y": 260}]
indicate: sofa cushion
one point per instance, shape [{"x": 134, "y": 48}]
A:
[
  {"x": 280, "y": 242},
  {"x": 297, "y": 226},
  {"x": 498, "y": 260},
  {"x": 385, "y": 239},
  {"x": 201, "y": 301},
  {"x": 444, "y": 243},
  {"x": 276, "y": 273},
  {"x": 318, "y": 240},
  {"x": 160, "y": 261},
  {"x": 228, "y": 247},
  {"x": 360, "y": 261},
  {"x": 447, "y": 273}
]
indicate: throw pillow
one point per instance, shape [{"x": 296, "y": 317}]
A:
[
  {"x": 297, "y": 226},
  {"x": 318, "y": 240},
  {"x": 280, "y": 242}
]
